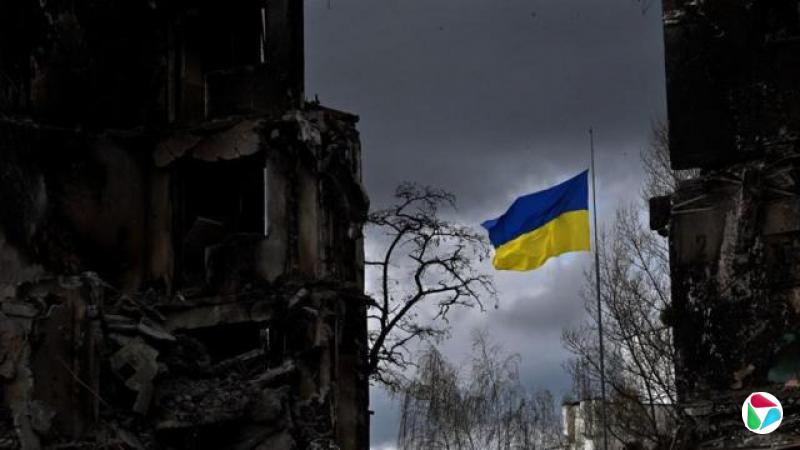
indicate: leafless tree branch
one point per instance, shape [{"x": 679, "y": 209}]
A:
[{"x": 426, "y": 261}]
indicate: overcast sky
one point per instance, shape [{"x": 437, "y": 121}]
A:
[{"x": 492, "y": 99}]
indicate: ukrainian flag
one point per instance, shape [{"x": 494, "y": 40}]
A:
[{"x": 543, "y": 224}]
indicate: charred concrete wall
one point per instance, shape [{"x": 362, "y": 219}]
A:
[
  {"x": 181, "y": 259},
  {"x": 734, "y": 230},
  {"x": 732, "y": 69},
  {"x": 148, "y": 63}
]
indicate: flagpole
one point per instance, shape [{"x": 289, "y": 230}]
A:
[{"x": 599, "y": 304}]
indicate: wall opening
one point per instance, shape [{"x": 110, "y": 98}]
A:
[
  {"x": 217, "y": 39},
  {"x": 217, "y": 201}
]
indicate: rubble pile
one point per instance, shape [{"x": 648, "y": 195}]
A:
[{"x": 136, "y": 372}]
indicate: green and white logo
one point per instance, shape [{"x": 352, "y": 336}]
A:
[{"x": 762, "y": 413}]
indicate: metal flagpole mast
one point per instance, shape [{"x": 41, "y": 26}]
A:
[{"x": 599, "y": 304}]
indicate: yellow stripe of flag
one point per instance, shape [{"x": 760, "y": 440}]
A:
[{"x": 568, "y": 232}]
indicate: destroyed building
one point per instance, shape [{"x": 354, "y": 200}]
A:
[
  {"x": 734, "y": 230},
  {"x": 181, "y": 258}
]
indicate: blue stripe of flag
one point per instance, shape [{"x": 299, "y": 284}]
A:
[{"x": 531, "y": 211}]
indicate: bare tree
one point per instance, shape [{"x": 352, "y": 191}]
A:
[
  {"x": 634, "y": 293},
  {"x": 431, "y": 402},
  {"x": 635, "y": 296},
  {"x": 488, "y": 409},
  {"x": 426, "y": 261}
]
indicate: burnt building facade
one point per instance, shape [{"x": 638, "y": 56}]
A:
[
  {"x": 734, "y": 230},
  {"x": 181, "y": 258}
]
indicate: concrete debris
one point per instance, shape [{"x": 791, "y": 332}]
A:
[
  {"x": 298, "y": 297},
  {"x": 188, "y": 403},
  {"x": 119, "y": 323},
  {"x": 181, "y": 381},
  {"x": 136, "y": 364},
  {"x": 223, "y": 314},
  {"x": 154, "y": 331},
  {"x": 277, "y": 375}
]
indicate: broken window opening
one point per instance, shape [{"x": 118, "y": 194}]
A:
[
  {"x": 230, "y": 36},
  {"x": 218, "y": 201},
  {"x": 246, "y": 347},
  {"x": 216, "y": 38},
  {"x": 226, "y": 341}
]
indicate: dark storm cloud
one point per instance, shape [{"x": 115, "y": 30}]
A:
[
  {"x": 485, "y": 89},
  {"x": 541, "y": 312},
  {"x": 492, "y": 99}
]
